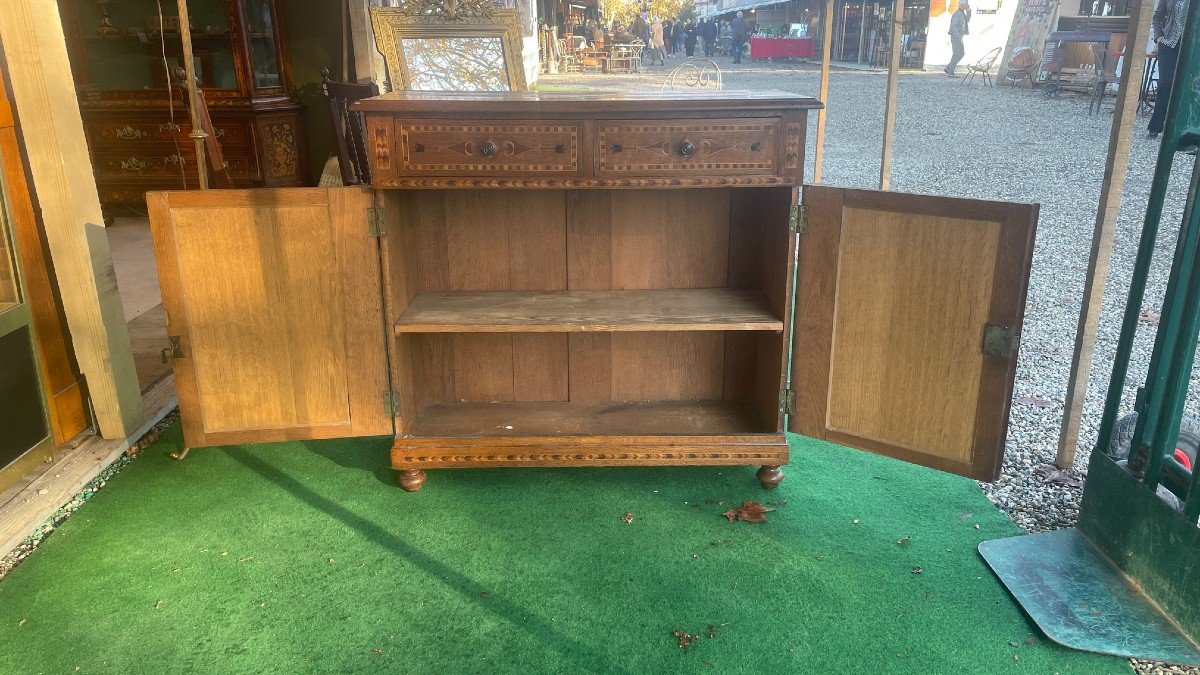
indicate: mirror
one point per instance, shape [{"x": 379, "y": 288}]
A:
[
  {"x": 455, "y": 64},
  {"x": 450, "y": 45}
]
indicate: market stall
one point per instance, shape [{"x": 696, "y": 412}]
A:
[{"x": 782, "y": 48}]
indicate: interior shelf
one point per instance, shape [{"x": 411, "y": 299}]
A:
[
  {"x": 649, "y": 418},
  {"x": 701, "y": 309}
]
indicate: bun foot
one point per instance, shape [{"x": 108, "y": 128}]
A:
[
  {"x": 770, "y": 477},
  {"x": 410, "y": 479}
]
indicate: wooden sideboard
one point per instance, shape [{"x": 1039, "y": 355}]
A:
[{"x": 579, "y": 279}]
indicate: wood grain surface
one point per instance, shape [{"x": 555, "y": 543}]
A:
[
  {"x": 894, "y": 294},
  {"x": 585, "y": 311},
  {"x": 275, "y": 296}
]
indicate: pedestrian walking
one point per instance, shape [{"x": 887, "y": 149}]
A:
[
  {"x": 1166, "y": 32},
  {"x": 710, "y": 37},
  {"x": 739, "y": 36},
  {"x": 657, "y": 54},
  {"x": 690, "y": 38},
  {"x": 641, "y": 31},
  {"x": 958, "y": 29},
  {"x": 668, "y": 36}
]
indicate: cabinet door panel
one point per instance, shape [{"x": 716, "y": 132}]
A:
[
  {"x": 275, "y": 297},
  {"x": 895, "y": 294}
]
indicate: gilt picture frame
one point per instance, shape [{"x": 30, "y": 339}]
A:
[{"x": 450, "y": 45}]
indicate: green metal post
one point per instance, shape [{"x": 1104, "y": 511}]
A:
[
  {"x": 1181, "y": 132},
  {"x": 1161, "y": 437},
  {"x": 1166, "y": 361}
]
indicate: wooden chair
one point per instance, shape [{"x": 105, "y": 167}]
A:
[
  {"x": 983, "y": 67},
  {"x": 1023, "y": 64},
  {"x": 569, "y": 61},
  {"x": 349, "y": 134}
]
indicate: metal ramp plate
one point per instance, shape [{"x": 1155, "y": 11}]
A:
[{"x": 1081, "y": 600}]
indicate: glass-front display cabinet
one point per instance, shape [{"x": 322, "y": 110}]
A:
[{"x": 124, "y": 56}]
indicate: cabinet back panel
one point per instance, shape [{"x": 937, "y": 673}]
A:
[{"x": 585, "y": 240}]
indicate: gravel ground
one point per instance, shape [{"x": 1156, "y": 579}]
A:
[{"x": 968, "y": 140}]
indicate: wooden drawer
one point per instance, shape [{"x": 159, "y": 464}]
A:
[
  {"x": 164, "y": 164},
  {"x": 116, "y": 134},
  {"x": 651, "y": 148},
  {"x": 484, "y": 148}
]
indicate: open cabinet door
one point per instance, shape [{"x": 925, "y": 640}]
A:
[
  {"x": 908, "y": 312},
  {"x": 274, "y": 297}
]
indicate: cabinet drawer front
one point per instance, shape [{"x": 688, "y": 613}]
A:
[
  {"x": 116, "y": 134},
  {"x": 486, "y": 149},
  {"x": 163, "y": 164},
  {"x": 633, "y": 148}
]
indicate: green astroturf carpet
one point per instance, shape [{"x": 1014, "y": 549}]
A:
[{"x": 304, "y": 557}]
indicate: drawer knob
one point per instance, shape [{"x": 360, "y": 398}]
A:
[
  {"x": 755, "y": 146},
  {"x": 617, "y": 147},
  {"x": 488, "y": 149},
  {"x": 686, "y": 148},
  {"x": 560, "y": 148}
]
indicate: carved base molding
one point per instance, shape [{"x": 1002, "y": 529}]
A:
[
  {"x": 665, "y": 182},
  {"x": 478, "y": 452}
]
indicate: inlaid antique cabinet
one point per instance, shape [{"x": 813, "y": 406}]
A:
[{"x": 578, "y": 279}]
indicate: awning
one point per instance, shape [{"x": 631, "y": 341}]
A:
[{"x": 726, "y": 7}]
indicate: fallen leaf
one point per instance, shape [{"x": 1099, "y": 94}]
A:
[
  {"x": 686, "y": 640},
  {"x": 158, "y": 604},
  {"x": 965, "y": 515},
  {"x": 1031, "y": 640},
  {"x": 712, "y": 631},
  {"x": 854, "y": 522},
  {"x": 1150, "y": 317},
  {"x": 20, "y": 623},
  {"x": 1033, "y": 401},
  {"x": 1064, "y": 478},
  {"x": 483, "y": 594},
  {"x": 917, "y": 570},
  {"x": 628, "y": 518},
  {"x": 749, "y": 511},
  {"x": 1012, "y": 643},
  {"x": 376, "y": 650},
  {"x": 902, "y": 541},
  {"x": 249, "y": 557}
]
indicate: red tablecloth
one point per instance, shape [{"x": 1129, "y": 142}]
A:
[{"x": 782, "y": 48}]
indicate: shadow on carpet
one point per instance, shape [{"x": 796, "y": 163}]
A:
[{"x": 304, "y": 556}]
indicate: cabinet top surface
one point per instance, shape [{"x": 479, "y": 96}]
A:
[{"x": 583, "y": 102}]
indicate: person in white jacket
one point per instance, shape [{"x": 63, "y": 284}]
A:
[
  {"x": 658, "y": 45},
  {"x": 958, "y": 29}
]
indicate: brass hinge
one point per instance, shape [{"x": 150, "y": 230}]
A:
[
  {"x": 787, "y": 401},
  {"x": 376, "y": 225},
  {"x": 1000, "y": 341},
  {"x": 391, "y": 403},
  {"x": 798, "y": 219},
  {"x": 175, "y": 351}
]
